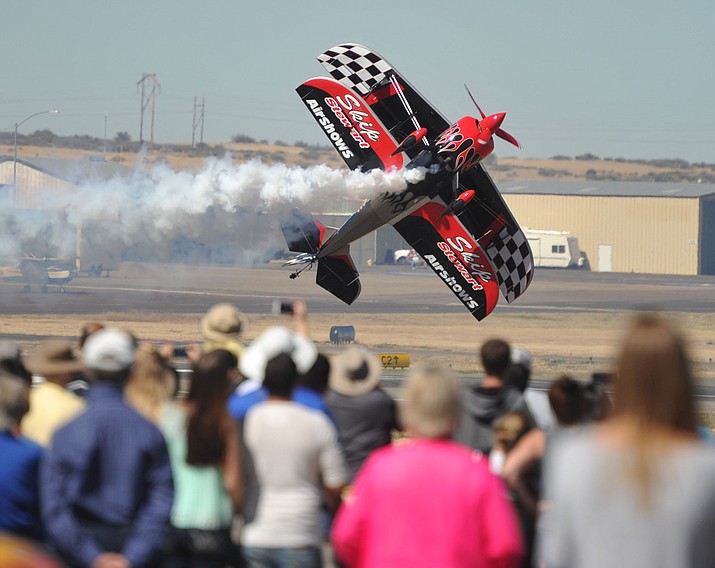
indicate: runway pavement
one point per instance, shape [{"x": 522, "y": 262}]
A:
[{"x": 385, "y": 289}]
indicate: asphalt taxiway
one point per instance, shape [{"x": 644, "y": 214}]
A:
[{"x": 175, "y": 288}]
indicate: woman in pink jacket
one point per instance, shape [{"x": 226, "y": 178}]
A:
[{"x": 430, "y": 501}]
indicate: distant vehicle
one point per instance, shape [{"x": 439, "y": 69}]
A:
[
  {"x": 42, "y": 272},
  {"x": 409, "y": 256},
  {"x": 555, "y": 249}
]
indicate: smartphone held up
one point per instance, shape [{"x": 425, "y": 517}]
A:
[{"x": 284, "y": 307}]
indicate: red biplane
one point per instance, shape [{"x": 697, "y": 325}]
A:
[{"x": 454, "y": 216}]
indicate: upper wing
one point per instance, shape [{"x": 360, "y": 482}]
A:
[
  {"x": 357, "y": 134},
  {"x": 488, "y": 218},
  {"x": 455, "y": 256},
  {"x": 400, "y": 107}
]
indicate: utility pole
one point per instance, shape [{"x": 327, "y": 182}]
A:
[
  {"x": 148, "y": 99},
  {"x": 198, "y": 120}
]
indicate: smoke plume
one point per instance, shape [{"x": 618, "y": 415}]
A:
[{"x": 162, "y": 203}]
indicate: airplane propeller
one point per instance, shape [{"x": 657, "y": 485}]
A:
[{"x": 501, "y": 133}]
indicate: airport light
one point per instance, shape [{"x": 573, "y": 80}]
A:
[{"x": 14, "y": 160}]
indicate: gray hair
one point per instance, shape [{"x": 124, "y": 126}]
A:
[
  {"x": 14, "y": 401},
  {"x": 430, "y": 403}
]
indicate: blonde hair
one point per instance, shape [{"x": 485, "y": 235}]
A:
[
  {"x": 508, "y": 430},
  {"x": 654, "y": 385},
  {"x": 654, "y": 394},
  {"x": 430, "y": 405},
  {"x": 150, "y": 384}
]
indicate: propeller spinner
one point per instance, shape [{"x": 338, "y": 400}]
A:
[{"x": 493, "y": 122}]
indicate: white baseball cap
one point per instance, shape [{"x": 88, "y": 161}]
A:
[
  {"x": 109, "y": 349},
  {"x": 273, "y": 341},
  {"x": 521, "y": 357}
]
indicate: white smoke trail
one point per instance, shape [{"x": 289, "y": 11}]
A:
[{"x": 164, "y": 202}]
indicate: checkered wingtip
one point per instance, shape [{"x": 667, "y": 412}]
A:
[
  {"x": 513, "y": 263},
  {"x": 355, "y": 66}
]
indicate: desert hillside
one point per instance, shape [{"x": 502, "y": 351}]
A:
[{"x": 501, "y": 168}]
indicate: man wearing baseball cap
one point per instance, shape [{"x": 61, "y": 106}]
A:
[{"x": 106, "y": 482}]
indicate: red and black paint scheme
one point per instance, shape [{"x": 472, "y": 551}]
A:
[
  {"x": 454, "y": 217},
  {"x": 452, "y": 253},
  {"x": 460, "y": 203},
  {"x": 411, "y": 141},
  {"x": 349, "y": 124}
]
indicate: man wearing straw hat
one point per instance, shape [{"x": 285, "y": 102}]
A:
[
  {"x": 364, "y": 413},
  {"x": 51, "y": 404}
]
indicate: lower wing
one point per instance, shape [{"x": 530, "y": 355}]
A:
[
  {"x": 489, "y": 220},
  {"x": 454, "y": 255}
]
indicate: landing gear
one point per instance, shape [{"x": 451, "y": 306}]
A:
[
  {"x": 305, "y": 259},
  {"x": 300, "y": 270}
]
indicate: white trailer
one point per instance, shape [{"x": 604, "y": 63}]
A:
[{"x": 554, "y": 249}]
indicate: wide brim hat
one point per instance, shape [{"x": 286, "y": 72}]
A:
[
  {"x": 223, "y": 322},
  {"x": 354, "y": 371},
  {"x": 56, "y": 357}
]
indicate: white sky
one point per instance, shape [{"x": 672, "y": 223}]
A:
[{"x": 616, "y": 78}]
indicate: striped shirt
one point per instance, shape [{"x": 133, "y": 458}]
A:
[{"x": 109, "y": 466}]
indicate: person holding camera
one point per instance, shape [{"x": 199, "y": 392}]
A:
[
  {"x": 636, "y": 489},
  {"x": 522, "y": 466}
]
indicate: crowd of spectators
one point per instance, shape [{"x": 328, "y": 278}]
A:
[{"x": 279, "y": 454}]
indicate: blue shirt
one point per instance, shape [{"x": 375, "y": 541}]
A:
[
  {"x": 240, "y": 404},
  {"x": 109, "y": 466},
  {"x": 19, "y": 492}
]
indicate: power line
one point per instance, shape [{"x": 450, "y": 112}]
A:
[
  {"x": 198, "y": 120},
  {"x": 148, "y": 99}
]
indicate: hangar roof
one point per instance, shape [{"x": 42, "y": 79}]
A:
[
  {"x": 607, "y": 188},
  {"x": 75, "y": 171}
]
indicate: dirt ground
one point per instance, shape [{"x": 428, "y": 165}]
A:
[
  {"x": 559, "y": 343},
  {"x": 509, "y": 167}
]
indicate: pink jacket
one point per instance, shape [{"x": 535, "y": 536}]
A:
[{"x": 430, "y": 503}]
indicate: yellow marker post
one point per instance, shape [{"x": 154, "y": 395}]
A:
[{"x": 394, "y": 360}]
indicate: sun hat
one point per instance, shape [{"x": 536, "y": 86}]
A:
[
  {"x": 354, "y": 371},
  {"x": 273, "y": 341},
  {"x": 109, "y": 349},
  {"x": 56, "y": 357},
  {"x": 223, "y": 322}
]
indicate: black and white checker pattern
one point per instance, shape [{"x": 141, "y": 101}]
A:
[
  {"x": 514, "y": 266},
  {"x": 355, "y": 66}
]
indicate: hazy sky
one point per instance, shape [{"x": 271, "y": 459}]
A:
[{"x": 616, "y": 78}]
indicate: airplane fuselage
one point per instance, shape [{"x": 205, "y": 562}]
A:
[
  {"x": 459, "y": 148},
  {"x": 390, "y": 207}
]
